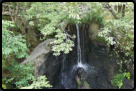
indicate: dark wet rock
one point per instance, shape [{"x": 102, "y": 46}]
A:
[
  {"x": 102, "y": 70},
  {"x": 60, "y": 86},
  {"x": 81, "y": 79},
  {"x": 128, "y": 84},
  {"x": 50, "y": 67}
]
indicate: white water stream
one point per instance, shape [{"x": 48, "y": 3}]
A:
[
  {"x": 78, "y": 46},
  {"x": 79, "y": 61}
]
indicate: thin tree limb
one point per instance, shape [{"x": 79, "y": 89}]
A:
[
  {"x": 121, "y": 12},
  {"x": 16, "y": 12},
  {"x": 10, "y": 12}
]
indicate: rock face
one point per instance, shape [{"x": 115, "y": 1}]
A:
[
  {"x": 45, "y": 62},
  {"x": 103, "y": 68},
  {"x": 42, "y": 49},
  {"x": 60, "y": 86},
  {"x": 50, "y": 67},
  {"x": 39, "y": 55}
]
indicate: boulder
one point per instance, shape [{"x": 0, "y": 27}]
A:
[
  {"x": 93, "y": 30},
  {"x": 45, "y": 62},
  {"x": 128, "y": 84},
  {"x": 39, "y": 55},
  {"x": 50, "y": 67}
]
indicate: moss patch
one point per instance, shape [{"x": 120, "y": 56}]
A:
[
  {"x": 86, "y": 84},
  {"x": 79, "y": 83},
  {"x": 100, "y": 39}
]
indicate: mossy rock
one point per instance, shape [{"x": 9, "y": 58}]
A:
[{"x": 100, "y": 39}]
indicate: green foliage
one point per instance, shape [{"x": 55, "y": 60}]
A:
[
  {"x": 70, "y": 20},
  {"x": 21, "y": 74},
  {"x": 31, "y": 23},
  {"x": 3, "y": 86},
  {"x": 123, "y": 30},
  {"x": 92, "y": 17},
  {"x": 62, "y": 46},
  {"x": 53, "y": 14},
  {"x": 118, "y": 78},
  {"x": 41, "y": 82},
  {"x": 79, "y": 83},
  {"x": 11, "y": 43},
  {"x": 86, "y": 84}
]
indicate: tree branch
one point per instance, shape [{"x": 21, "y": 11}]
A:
[
  {"x": 11, "y": 6},
  {"x": 113, "y": 13},
  {"x": 63, "y": 26},
  {"x": 10, "y": 12},
  {"x": 15, "y": 17},
  {"x": 107, "y": 6},
  {"x": 69, "y": 36},
  {"x": 16, "y": 12}
]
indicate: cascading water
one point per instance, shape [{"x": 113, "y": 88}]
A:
[
  {"x": 63, "y": 68},
  {"x": 78, "y": 46},
  {"x": 79, "y": 61},
  {"x": 68, "y": 69}
]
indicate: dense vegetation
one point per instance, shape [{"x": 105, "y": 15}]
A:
[{"x": 51, "y": 18}]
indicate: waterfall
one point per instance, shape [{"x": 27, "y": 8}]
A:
[
  {"x": 79, "y": 60},
  {"x": 78, "y": 46},
  {"x": 68, "y": 69}
]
